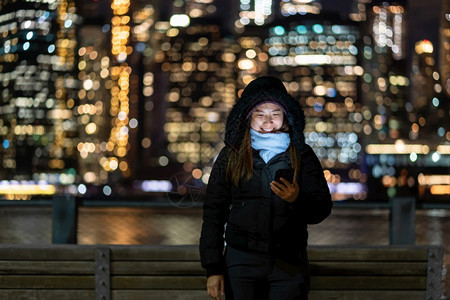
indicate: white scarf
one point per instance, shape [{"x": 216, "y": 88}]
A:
[{"x": 269, "y": 144}]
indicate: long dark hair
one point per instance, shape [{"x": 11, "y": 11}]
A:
[{"x": 240, "y": 158}]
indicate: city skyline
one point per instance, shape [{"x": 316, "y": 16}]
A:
[{"x": 143, "y": 96}]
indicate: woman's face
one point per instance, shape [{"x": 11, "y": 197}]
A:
[{"x": 267, "y": 118}]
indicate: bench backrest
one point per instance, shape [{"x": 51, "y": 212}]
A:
[{"x": 174, "y": 272}]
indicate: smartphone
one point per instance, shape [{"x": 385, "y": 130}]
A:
[{"x": 287, "y": 174}]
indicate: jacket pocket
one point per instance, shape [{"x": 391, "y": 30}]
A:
[
  {"x": 246, "y": 214},
  {"x": 236, "y": 238}
]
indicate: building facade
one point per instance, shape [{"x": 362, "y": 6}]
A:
[{"x": 39, "y": 87}]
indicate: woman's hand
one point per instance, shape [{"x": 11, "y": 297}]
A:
[
  {"x": 215, "y": 286},
  {"x": 286, "y": 190}
]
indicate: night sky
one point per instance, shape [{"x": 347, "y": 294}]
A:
[{"x": 424, "y": 17}]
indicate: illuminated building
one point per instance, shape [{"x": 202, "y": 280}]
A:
[
  {"x": 389, "y": 28},
  {"x": 431, "y": 108},
  {"x": 444, "y": 51},
  {"x": 254, "y": 17},
  {"x": 401, "y": 140},
  {"x": 316, "y": 56},
  {"x": 302, "y": 7},
  {"x": 430, "y": 104},
  {"x": 251, "y": 28},
  {"x": 37, "y": 60},
  {"x": 199, "y": 8},
  {"x": 385, "y": 85},
  {"x": 198, "y": 63},
  {"x": 118, "y": 142},
  {"x": 256, "y": 12},
  {"x": 92, "y": 109},
  {"x": 445, "y": 55},
  {"x": 146, "y": 113},
  {"x": 106, "y": 94},
  {"x": 359, "y": 10},
  {"x": 252, "y": 59}
]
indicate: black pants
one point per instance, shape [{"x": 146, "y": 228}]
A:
[{"x": 253, "y": 275}]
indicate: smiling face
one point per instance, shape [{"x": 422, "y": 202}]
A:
[{"x": 267, "y": 118}]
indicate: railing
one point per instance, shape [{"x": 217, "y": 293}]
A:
[{"x": 65, "y": 213}]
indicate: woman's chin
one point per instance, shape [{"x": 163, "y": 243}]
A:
[{"x": 268, "y": 131}]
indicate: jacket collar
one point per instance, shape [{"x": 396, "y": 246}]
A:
[{"x": 259, "y": 163}]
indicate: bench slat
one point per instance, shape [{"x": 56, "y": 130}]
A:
[
  {"x": 197, "y": 294},
  {"x": 315, "y": 253},
  {"x": 159, "y": 282},
  {"x": 317, "y": 268},
  {"x": 194, "y": 268},
  {"x": 46, "y": 282},
  {"x": 314, "y": 295},
  {"x": 23, "y": 294},
  {"x": 47, "y": 252},
  {"x": 156, "y": 252},
  {"x": 317, "y": 283},
  {"x": 190, "y": 253},
  {"x": 368, "y": 283},
  {"x": 368, "y": 254},
  {"x": 157, "y": 268},
  {"x": 368, "y": 268},
  {"x": 366, "y": 295},
  {"x": 160, "y": 295},
  {"x": 47, "y": 267}
]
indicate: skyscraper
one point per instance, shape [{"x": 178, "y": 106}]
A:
[
  {"x": 384, "y": 92},
  {"x": 93, "y": 106},
  {"x": 256, "y": 12},
  {"x": 39, "y": 90},
  {"x": 444, "y": 49},
  {"x": 400, "y": 135},
  {"x": 385, "y": 83},
  {"x": 316, "y": 56},
  {"x": 198, "y": 63},
  {"x": 444, "y": 62},
  {"x": 428, "y": 97},
  {"x": 431, "y": 108},
  {"x": 301, "y": 7}
]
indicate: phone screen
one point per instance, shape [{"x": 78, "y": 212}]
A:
[{"x": 287, "y": 174}]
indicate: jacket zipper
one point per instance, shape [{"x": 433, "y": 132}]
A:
[{"x": 269, "y": 204}]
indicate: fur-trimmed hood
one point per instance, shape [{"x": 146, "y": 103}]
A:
[{"x": 262, "y": 89}]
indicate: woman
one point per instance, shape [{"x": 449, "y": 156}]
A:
[{"x": 264, "y": 221}]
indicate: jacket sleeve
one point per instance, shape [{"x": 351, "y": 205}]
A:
[
  {"x": 215, "y": 213},
  {"x": 314, "y": 202}
]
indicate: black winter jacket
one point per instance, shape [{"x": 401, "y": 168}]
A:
[{"x": 254, "y": 217}]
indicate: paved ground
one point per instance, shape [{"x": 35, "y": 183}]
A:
[{"x": 118, "y": 225}]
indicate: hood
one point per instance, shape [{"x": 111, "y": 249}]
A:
[{"x": 263, "y": 89}]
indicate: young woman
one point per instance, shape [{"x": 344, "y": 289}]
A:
[{"x": 263, "y": 221}]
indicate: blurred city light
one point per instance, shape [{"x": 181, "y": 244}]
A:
[
  {"x": 94, "y": 97},
  {"x": 179, "y": 21},
  {"x": 156, "y": 186},
  {"x": 21, "y": 190},
  {"x": 398, "y": 148}
]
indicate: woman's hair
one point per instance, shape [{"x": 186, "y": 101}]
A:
[{"x": 240, "y": 159}]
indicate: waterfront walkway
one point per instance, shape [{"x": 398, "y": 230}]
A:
[{"x": 174, "y": 226}]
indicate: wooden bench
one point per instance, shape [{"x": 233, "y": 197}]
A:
[{"x": 173, "y": 272}]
